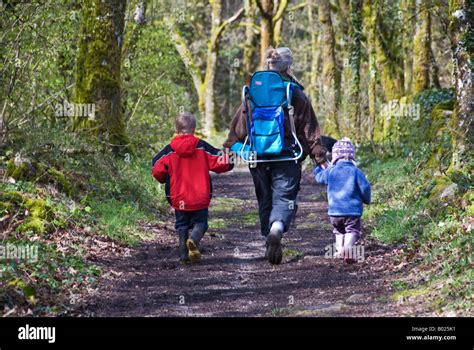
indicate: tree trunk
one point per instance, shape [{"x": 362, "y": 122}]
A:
[
  {"x": 434, "y": 71},
  {"x": 272, "y": 12},
  {"x": 354, "y": 63},
  {"x": 204, "y": 86},
  {"x": 462, "y": 34},
  {"x": 249, "y": 46},
  {"x": 409, "y": 22},
  {"x": 422, "y": 48},
  {"x": 313, "y": 28},
  {"x": 98, "y": 79},
  {"x": 330, "y": 87},
  {"x": 211, "y": 67},
  {"x": 389, "y": 57},
  {"x": 266, "y": 31},
  {"x": 341, "y": 28},
  {"x": 277, "y": 29},
  {"x": 133, "y": 30},
  {"x": 371, "y": 20}
]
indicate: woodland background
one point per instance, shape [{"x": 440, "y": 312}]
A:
[{"x": 393, "y": 75}]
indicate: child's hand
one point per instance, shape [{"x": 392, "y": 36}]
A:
[
  {"x": 317, "y": 169},
  {"x": 324, "y": 165}
]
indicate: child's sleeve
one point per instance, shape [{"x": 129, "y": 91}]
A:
[
  {"x": 364, "y": 187},
  {"x": 217, "y": 160},
  {"x": 160, "y": 166},
  {"x": 321, "y": 175}
]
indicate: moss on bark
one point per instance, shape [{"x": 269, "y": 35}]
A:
[
  {"x": 422, "y": 48},
  {"x": 98, "y": 68}
]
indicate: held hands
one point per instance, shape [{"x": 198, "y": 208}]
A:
[
  {"x": 319, "y": 168},
  {"x": 324, "y": 165}
]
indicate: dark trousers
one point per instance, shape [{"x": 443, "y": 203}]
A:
[
  {"x": 276, "y": 186},
  {"x": 346, "y": 224},
  {"x": 192, "y": 220}
]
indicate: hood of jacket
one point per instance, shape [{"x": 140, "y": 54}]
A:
[{"x": 184, "y": 145}]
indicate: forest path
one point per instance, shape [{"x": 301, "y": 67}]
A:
[{"x": 234, "y": 279}]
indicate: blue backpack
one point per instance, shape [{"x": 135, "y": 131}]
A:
[{"x": 268, "y": 96}]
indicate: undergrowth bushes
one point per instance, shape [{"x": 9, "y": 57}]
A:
[{"x": 62, "y": 196}]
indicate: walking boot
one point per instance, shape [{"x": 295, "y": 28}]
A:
[
  {"x": 193, "y": 247},
  {"x": 193, "y": 242},
  {"x": 183, "y": 250},
  {"x": 274, "y": 251},
  {"x": 349, "y": 241},
  {"x": 339, "y": 253}
]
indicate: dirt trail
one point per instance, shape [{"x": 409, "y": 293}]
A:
[{"x": 234, "y": 279}]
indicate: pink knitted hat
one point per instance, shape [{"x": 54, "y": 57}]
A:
[{"x": 342, "y": 149}]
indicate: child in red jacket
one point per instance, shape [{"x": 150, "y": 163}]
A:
[{"x": 184, "y": 167}]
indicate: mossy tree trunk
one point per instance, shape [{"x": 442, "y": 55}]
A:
[
  {"x": 314, "y": 30},
  {"x": 354, "y": 64},
  {"x": 204, "y": 83},
  {"x": 272, "y": 12},
  {"x": 98, "y": 71},
  {"x": 250, "y": 9},
  {"x": 134, "y": 31},
  {"x": 389, "y": 51},
  {"x": 331, "y": 79},
  {"x": 370, "y": 17},
  {"x": 211, "y": 67},
  {"x": 422, "y": 48},
  {"x": 341, "y": 28},
  {"x": 408, "y": 8},
  {"x": 277, "y": 30},
  {"x": 266, "y": 28},
  {"x": 462, "y": 39}
]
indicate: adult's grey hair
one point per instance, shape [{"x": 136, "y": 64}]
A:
[{"x": 279, "y": 59}]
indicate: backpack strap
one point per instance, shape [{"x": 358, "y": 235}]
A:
[
  {"x": 245, "y": 91},
  {"x": 291, "y": 109}
]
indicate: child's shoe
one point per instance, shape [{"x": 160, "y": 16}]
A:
[
  {"x": 349, "y": 241},
  {"x": 339, "y": 246},
  {"x": 194, "y": 253},
  {"x": 183, "y": 250}
]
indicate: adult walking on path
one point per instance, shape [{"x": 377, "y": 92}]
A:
[{"x": 277, "y": 183}]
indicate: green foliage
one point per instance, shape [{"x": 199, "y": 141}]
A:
[
  {"x": 218, "y": 223},
  {"x": 428, "y": 99},
  {"x": 45, "y": 283},
  {"x": 84, "y": 165},
  {"x": 226, "y": 204},
  {"x": 159, "y": 90},
  {"x": 40, "y": 74},
  {"x": 71, "y": 183},
  {"x": 395, "y": 185},
  {"x": 120, "y": 221},
  {"x": 76, "y": 187},
  {"x": 404, "y": 210},
  {"x": 418, "y": 203},
  {"x": 292, "y": 253}
]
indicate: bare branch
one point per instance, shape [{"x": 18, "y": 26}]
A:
[
  {"x": 281, "y": 10},
  {"x": 185, "y": 54},
  {"x": 297, "y": 7},
  {"x": 228, "y": 22}
]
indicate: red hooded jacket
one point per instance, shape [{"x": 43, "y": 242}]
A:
[{"x": 184, "y": 167}]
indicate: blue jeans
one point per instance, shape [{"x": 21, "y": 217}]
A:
[
  {"x": 195, "y": 220},
  {"x": 276, "y": 186}
]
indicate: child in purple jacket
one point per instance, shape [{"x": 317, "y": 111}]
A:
[{"x": 348, "y": 188}]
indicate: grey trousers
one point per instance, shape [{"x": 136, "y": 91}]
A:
[{"x": 276, "y": 186}]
